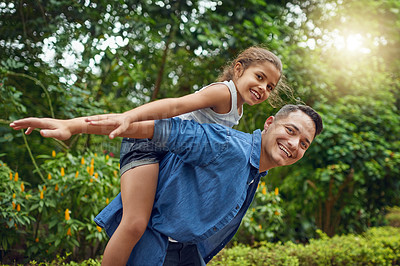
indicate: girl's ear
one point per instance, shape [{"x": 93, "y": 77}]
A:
[{"x": 238, "y": 70}]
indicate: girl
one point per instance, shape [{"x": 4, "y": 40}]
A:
[{"x": 251, "y": 78}]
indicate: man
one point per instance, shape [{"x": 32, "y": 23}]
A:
[{"x": 207, "y": 180}]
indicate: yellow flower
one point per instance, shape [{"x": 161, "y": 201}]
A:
[
  {"x": 92, "y": 161},
  {"x": 276, "y": 191},
  {"x": 264, "y": 191},
  {"x": 277, "y": 213},
  {"x": 28, "y": 196},
  {"x": 62, "y": 171},
  {"x": 88, "y": 169},
  {"x": 56, "y": 187},
  {"x": 22, "y": 186},
  {"x": 107, "y": 157},
  {"x": 251, "y": 219},
  {"x": 13, "y": 195},
  {"x": 260, "y": 226},
  {"x": 91, "y": 180},
  {"x": 83, "y": 160},
  {"x": 76, "y": 174},
  {"x": 69, "y": 232},
  {"x": 49, "y": 176},
  {"x": 95, "y": 155},
  {"x": 18, "y": 207},
  {"x": 67, "y": 217},
  {"x": 263, "y": 184},
  {"x": 96, "y": 175},
  {"x": 98, "y": 228},
  {"x": 44, "y": 187},
  {"x": 53, "y": 153},
  {"x": 91, "y": 170},
  {"x": 16, "y": 177},
  {"x": 107, "y": 200},
  {"x": 41, "y": 194},
  {"x": 115, "y": 173},
  {"x": 37, "y": 240},
  {"x": 13, "y": 203},
  {"x": 11, "y": 177}
]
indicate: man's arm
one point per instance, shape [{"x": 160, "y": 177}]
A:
[
  {"x": 64, "y": 129},
  {"x": 194, "y": 143}
]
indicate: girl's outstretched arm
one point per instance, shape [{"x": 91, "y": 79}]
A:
[
  {"x": 64, "y": 129},
  {"x": 216, "y": 96}
]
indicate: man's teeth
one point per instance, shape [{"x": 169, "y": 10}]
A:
[
  {"x": 258, "y": 96},
  {"x": 285, "y": 150}
]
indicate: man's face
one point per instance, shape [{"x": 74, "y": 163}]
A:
[{"x": 285, "y": 140}]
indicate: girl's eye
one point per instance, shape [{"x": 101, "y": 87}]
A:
[
  {"x": 270, "y": 87},
  {"x": 259, "y": 77}
]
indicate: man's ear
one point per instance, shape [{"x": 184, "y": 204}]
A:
[
  {"x": 238, "y": 70},
  {"x": 268, "y": 122}
]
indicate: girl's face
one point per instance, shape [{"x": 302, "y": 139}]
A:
[{"x": 255, "y": 84}]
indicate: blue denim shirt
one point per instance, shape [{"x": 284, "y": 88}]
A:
[{"x": 205, "y": 186}]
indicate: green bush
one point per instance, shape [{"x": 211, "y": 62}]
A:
[
  {"x": 377, "y": 246},
  {"x": 57, "y": 216},
  {"x": 263, "y": 219}
]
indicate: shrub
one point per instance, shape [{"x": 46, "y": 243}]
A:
[
  {"x": 57, "y": 216},
  {"x": 378, "y": 246},
  {"x": 263, "y": 219}
]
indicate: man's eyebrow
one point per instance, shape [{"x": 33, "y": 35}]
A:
[{"x": 298, "y": 130}]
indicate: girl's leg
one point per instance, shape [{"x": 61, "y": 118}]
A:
[{"x": 138, "y": 188}]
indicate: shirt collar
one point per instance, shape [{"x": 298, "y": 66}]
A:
[{"x": 256, "y": 151}]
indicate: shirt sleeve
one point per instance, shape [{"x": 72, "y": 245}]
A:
[{"x": 194, "y": 143}]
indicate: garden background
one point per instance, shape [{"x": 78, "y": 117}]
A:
[{"x": 65, "y": 59}]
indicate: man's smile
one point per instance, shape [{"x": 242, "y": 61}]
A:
[{"x": 283, "y": 148}]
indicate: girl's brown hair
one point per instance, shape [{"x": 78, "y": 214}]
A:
[{"x": 255, "y": 55}]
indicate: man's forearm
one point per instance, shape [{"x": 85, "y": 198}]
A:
[{"x": 143, "y": 129}]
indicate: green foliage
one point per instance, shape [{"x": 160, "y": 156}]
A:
[
  {"x": 57, "y": 215},
  {"x": 393, "y": 216},
  {"x": 378, "y": 246},
  {"x": 14, "y": 212},
  {"x": 263, "y": 219}
]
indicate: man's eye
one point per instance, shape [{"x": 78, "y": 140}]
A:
[
  {"x": 304, "y": 145},
  {"x": 289, "y": 130}
]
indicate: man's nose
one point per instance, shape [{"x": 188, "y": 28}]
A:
[{"x": 294, "y": 143}]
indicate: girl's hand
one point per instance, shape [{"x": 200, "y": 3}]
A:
[
  {"x": 120, "y": 121},
  {"x": 51, "y": 128}
]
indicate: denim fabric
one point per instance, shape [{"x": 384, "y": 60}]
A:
[
  {"x": 136, "y": 152},
  {"x": 206, "y": 184},
  {"x": 180, "y": 254}
]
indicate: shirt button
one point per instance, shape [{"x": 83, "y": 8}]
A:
[
  {"x": 215, "y": 229},
  {"x": 237, "y": 207}
]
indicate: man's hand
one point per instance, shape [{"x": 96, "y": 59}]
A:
[
  {"x": 120, "y": 121},
  {"x": 50, "y": 128}
]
